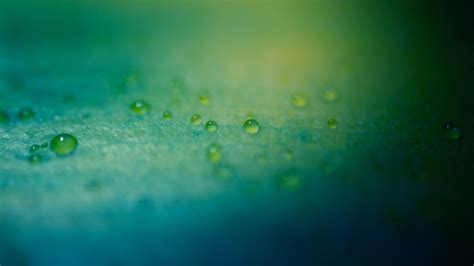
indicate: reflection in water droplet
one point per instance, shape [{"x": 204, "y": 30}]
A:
[
  {"x": 196, "y": 120},
  {"x": 452, "y": 131},
  {"x": 211, "y": 126},
  {"x": 140, "y": 107},
  {"x": 251, "y": 126}
]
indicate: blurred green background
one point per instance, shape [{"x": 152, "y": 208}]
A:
[{"x": 385, "y": 187}]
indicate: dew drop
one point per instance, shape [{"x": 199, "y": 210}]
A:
[
  {"x": 211, "y": 126},
  {"x": 167, "y": 115},
  {"x": 298, "y": 101},
  {"x": 214, "y": 153},
  {"x": 63, "y": 144},
  {"x": 332, "y": 123},
  {"x": 196, "y": 119},
  {"x": 35, "y": 159},
  {"x": 251, "y": 126},
  {"x": 34, "y": 148},
  {"x": 140, "y": 107},
  {"x": 330, "y": 95},
  {"x": 452, "y": 131},
  {"x": 204, "y": 99}
]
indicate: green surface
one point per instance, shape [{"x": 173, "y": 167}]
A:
[{"x": 155, "y": 187}]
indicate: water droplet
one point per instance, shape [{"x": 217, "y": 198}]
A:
[
  {"x": 44, "y": 145},
  {"x": 211, "y": 126},
  {"x": 35, "y": 159},
  {"x": 452, "y": 131},
  {"x": 204, "y": 99},
  {"x": 332, "y": 123},
  {"x": 140, "y": 107},
  {"x": 25, "y": 113},
  {"x": 196, "y": 119},
  {"x": 298, "y": 101},
  {"x": 167, "y": 115},
  {"x": 214, "y": 153},
  {"x": 251, "y": 126},
  {"x": 63, "y": 144},
  {"x": 34, "y": 148},
  {"x": 3, "y": 116},
  {"x": 330, "y": 95}
]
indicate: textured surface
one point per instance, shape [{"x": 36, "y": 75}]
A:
[{"x": 385, "y": 185}]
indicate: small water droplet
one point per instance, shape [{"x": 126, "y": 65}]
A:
[
  {"x": 167, "y": 115},
  {"x": 211, "y": 126},
  {"x": 330, "y": 95},
  {"x": 204, "y": 99},
  {"x": 251, "y": 126},
  {"x": 35, "y": 159},
  {"x": 140, "y": 107},
  {"x": 332, "y": 123},
  {"x": 34, "y": 148},
  {"x": 63, "y": 144},
  {"x": 196, "y": 120},
  {"x": 452, "y": 131},
  {"x": 214, "y": 153},
  {"x": 298, "y": 101}
]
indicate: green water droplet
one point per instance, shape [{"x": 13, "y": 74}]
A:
[
  {"x": 167, "y": 115},
  {"x": 35, "y": 159},
  {"x": 204, "y": 99},
  {"x": 251, "y": 126},
  {"x": 34, "y": 148},
  {"x": 140, "y": 107},
  {"x": 332, "y": 123},
  {"x": 44, "y": 145},
  {"x": 25, "y": 113},
  {"x": 196, "y": 120},
  {"x": 452, "y": 131},
  {"x": 63, "y": 144},
  {"x": 211, "y": 126},
  {"x": 3, "y": 116},
  {"x": 214, "y": 153},
  {"x": 298, "y": 101},
  {"x": 330, "y": 95}
]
